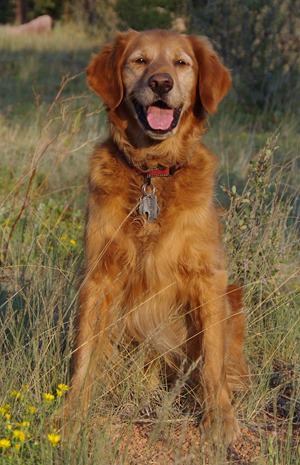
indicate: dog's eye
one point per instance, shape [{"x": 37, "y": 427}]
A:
[
  {"x": 140, "y": 61},
  {"x": 181, "y": 63}
]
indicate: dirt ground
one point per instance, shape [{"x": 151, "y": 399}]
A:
[
  {"x": 180, "y": 443},
  {"x": 271, "y": 436}
]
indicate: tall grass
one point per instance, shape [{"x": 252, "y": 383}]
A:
[{"x": 46, "y": 136}]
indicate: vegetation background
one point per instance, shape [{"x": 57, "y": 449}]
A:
[{"x": 49, "y": 123}]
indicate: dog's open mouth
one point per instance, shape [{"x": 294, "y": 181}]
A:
[{"x": 158, "y": 117}]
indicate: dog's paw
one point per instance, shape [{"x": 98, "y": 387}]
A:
[{"x": 221, "y": 427}]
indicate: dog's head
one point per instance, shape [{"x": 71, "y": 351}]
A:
[{"x": 159, "y": 77}]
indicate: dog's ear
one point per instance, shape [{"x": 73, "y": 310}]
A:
[
  {"x": 104, "y": 71},
  {"x": 214, "y": 77}
]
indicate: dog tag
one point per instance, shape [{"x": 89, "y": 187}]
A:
[{"x": 148, "y": 204}]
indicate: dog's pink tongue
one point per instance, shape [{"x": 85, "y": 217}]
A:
[{"x": 159, "y": 118}]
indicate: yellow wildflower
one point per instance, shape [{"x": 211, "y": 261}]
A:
[
  {"x": 48, "y": 397},
  {"x": 5, "y": 443},
  {"x": 72, "y": 242},
  {"x": 15, "y": 394},
  {"x": 53, "y": 438},
  {"x": 4, "y": 409},
  {"x": 32, "y": 409},
  {"x": 19, "y": 434},
  {"x": 7, "y": 416},
  {"x": 18, "y": 446},
  {"x": 9, "y": 427},
  {"x": 25, "y": 424},
  {"x": 63, "y": 387}
]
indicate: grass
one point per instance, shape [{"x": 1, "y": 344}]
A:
[{"x": 49, "y": 124}]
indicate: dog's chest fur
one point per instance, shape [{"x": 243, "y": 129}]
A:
[{"x": 177, "y": 240}]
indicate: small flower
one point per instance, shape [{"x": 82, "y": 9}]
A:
[
  {"x": 18, "y": 446},
  {"x": 15, "y": 394},
  {"x": 9, "y": 427},
  {"x": 53, "y": 438},
  {"x": 7, "y": 416},
  {"x": 72, "y": 242},
  {"x": 48, "y": 397},
  {"x": 25, "y": 387},
  {"x": 5, "y": 443},
  {"x": 4, "y": 409},
  {"x": 32, "y": 409},
  {"x": 61, "y": 389},
  {"x": 19, "y": 434},
  {"x": 25, "y": 424}
]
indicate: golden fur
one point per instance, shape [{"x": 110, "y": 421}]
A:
[{"x": 165, "y": 281}]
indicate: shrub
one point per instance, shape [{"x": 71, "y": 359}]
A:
[
  {"x": 259, "y": 42},
  {"x": 7, "y": 13},
  {"x": 258, "y": 224}
]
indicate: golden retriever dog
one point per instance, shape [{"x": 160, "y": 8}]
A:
[{"x": 155, "y": 270}]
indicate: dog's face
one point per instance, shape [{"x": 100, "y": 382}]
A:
[
  {"x": 158, "y": 78},
  {"x": 159, "y": 82}
]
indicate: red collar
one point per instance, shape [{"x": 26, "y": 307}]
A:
[{"x": 160, "y": 171}]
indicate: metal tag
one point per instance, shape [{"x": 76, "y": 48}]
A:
[{"x": 148, "y": 204}]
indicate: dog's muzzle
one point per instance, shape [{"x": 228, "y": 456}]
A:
[{"x": 158, "y": 118}]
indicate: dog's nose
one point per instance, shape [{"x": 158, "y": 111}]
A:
[{"x": 161, "y": 83}]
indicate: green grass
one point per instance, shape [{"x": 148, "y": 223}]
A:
[{"x": 47, "y": 131}]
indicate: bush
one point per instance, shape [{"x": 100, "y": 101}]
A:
[
  {"x": 259, "y": 41},
  {"x": 258, "y": 223},
  {"x": 7, "y": 12},
  {"x": 36, "y": 8},
  {"x": 156, "y": 14}
]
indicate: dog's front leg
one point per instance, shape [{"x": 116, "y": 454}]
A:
[
  {"x": 210, "y": 317},
  {"x": 92, "y": 342}
]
